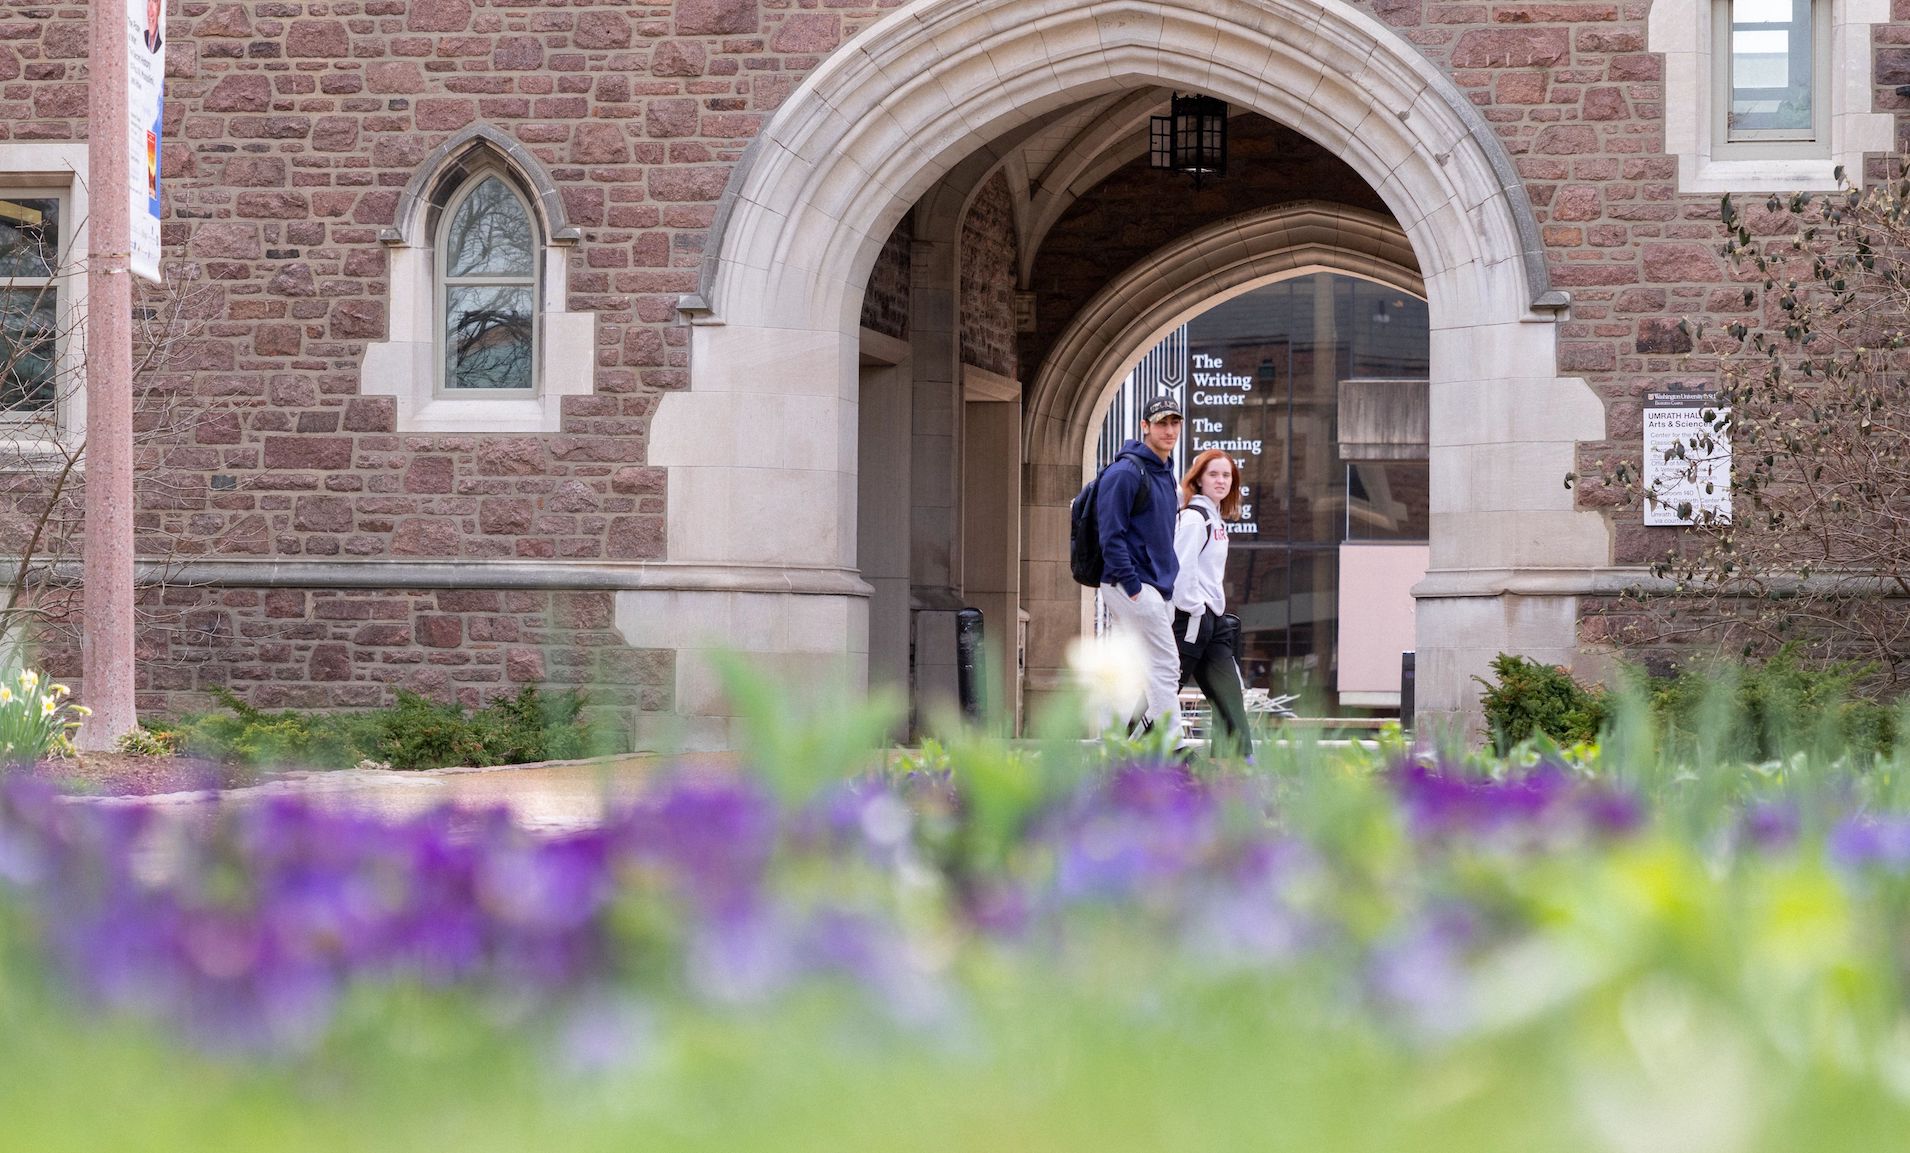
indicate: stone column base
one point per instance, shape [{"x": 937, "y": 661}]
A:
[
  {"x": 806, "y": 641},
  {"x": 1458, "y": 636}
]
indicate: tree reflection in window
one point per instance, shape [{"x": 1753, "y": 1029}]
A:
[
  {"x": 29, "y": 302},
  {"x": 490, "y": 290}
]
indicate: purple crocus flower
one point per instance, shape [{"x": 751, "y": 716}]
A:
[
  {"x": 1871, "y": 842},
  {"x": 1443, "y": 802},
  {"x": 1420, "y": 973},
  {"x": 1144, "y": 826},
  {"x": 714, "y": 836},
  {"x": 743, "y": 956},
  {"x": 1769, "y": 826}
]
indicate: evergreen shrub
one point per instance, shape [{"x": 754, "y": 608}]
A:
[
  {"x": 1531, "y": 698},
  {"x": 1768, "y": 709},
  {"x": 415, "y": 733}
]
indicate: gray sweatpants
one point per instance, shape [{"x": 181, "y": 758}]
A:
[{"x": 1149, "y": 619}]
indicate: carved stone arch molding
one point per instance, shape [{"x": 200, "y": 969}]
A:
[
  {"x": 444, "y": 170},
  {"x": 761, "y": 449},
  {"x": 406, "y": 365},
  {"x": 1182, "y": 279}
]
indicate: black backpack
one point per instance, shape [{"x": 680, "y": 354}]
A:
[{"x": 1084, "y": 530}]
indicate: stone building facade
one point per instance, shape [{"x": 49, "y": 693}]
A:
[{"x": 828, "y": 299}]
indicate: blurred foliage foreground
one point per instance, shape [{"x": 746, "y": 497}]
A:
[{"x": 1625, "y": 947}]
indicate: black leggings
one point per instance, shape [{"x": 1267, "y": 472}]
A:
[{"x": 1209, "y": 662}]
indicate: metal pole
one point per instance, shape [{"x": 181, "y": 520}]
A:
[
  {"x": 968, "y": 661},
  {"x": 1408, "y": 688},
  {"x": 106, "y": 645}
]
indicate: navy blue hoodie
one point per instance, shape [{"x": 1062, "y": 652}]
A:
[{"x": 1137, "y": 547}]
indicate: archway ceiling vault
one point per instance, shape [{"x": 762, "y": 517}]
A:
[{"x": 1062, "y": 160}]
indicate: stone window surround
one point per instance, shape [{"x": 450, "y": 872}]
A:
[
  {"x": 1684, "y": 31},
  {"x": 407, "y": 366},
  {"x": 58, "y": 167}
]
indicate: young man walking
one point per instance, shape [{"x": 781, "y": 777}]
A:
[{"x": 1135, "y": 505}]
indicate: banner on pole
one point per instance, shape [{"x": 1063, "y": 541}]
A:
[{"x": 145, "y": 81}]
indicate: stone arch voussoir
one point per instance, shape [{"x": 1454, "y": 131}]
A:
[{"x": 441, "y": 171}]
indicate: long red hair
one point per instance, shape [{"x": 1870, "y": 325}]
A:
[{"x": 1190, "y": 484}]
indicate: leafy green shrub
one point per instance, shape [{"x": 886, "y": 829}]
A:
[
  {"x": 1765, "y": 710},
  {"x": 538, "y": 726},
  {"x": 253, "y": 737},
  {"x": 1539, "y": 698},
  {"x": 146, "y": 741},
  {"x": 416, "y": 733}
]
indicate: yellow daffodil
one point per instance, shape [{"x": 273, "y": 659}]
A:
[{"x": 6, "y": 695}]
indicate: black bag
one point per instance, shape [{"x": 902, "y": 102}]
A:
[
  {"x": 1222, "y": 630},
  {"x": 1085, "y": 561},
  {"x": 1227, "y": 632}
]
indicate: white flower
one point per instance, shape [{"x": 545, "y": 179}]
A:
[
  {"x": 29, "y": 680},
  {"x": 48, "y": 703},
  {"x": 1111, "y": 673},
  {"x": 6, "y": 695}
]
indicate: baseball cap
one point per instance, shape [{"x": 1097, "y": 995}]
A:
[{"x": 1159, "y": 407}]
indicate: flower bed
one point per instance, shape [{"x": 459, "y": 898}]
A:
[{"x": 1053, "y": 952}]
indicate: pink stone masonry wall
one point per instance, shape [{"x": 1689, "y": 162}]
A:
[
  {"x": 292, "y": 127},
  {"x": 323, "y": 648}
]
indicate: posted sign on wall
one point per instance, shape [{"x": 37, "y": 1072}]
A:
[
  {"x": 1687, "y": 458},
  {"x": 145, "y": 80},
  {"x": 1215, "y": 416}
]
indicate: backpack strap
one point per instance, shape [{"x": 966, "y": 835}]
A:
[
  {"x": 1144, "y": 498},
  {"x": 1206, "y": 517}
]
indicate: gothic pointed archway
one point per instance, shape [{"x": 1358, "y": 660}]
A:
[{"x": 762, "y": 449}]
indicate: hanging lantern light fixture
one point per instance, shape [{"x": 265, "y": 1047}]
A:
[{"x": 1191, "y": 138}]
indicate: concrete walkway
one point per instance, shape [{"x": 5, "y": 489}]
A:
[{"x": 555, "y": 796}]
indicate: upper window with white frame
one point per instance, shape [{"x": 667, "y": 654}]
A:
[
  {"x": 488, "y": 289},
  {"x": 1769, "y": 95},
  {"x": 31, "y": 309},
  {"x": 1772, "y": 68}
]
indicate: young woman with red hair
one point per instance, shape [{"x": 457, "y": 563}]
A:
[{"x": 1208, "y": 638}]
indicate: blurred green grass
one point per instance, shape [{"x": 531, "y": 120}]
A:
[{"x": 1670, "y": 990}]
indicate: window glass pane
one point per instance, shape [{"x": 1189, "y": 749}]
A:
[
  {"x": 487, "y": 337},
  {"x": 1761, "y": 11},
  {"x": 1263, "y": 376},
  {"x": 27, "y": 348},
  {"x": 1387, "y": 500},
  {"x": 29, "y": 236},
  {"x": 1288, "y": 604},
  {"x": 491, "y": 234},
  {"x": 1771, "y": 70}
]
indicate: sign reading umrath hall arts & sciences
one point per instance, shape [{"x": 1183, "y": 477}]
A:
[
  {"x": 145, "y": 105},
  {"x": 1217, "y": 402},
  {"x": 1687, "y": 459}
]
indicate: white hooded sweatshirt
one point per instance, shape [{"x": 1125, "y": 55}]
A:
[{"x": 1201, "y": 544}]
